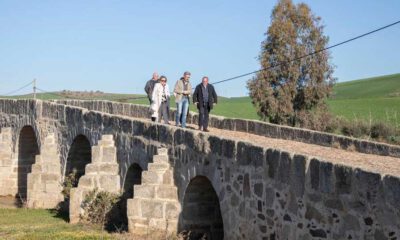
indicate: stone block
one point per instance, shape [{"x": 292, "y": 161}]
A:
[
  {"x": 298, "y": 174},
  {"x": 134, "y": 208},
  {"x": 326, "y": 184},
  {"x": 272, "y": 159},
  {"x": 172, "y": 210},
  {"x": 343, "y": 176},
  {"x": 92, "y": 168},
  {"x": 97, "y": 153},
  {"x": 228, "y": 124},
  {"x": 76, "y": 197},
  {"x": 313, "y": 170},
  {"x": 161, "y": 159},
  {"x": 392, "y": 190},
  {"x": 109, "y": 155},
  {"x": 165, "y": 134},
  {"x": 168, "y": 177},
  {"x": 158, "y": 166},
  {"x": 109, "y": 168},
  {"x": 216, "y": 122},
  {"x": 152, "y": 177},
  {"x": 367, "y": 180},
  {"x": 322, "y": 139},
  {"x": 53, "y": 168},
  {"x": 46, "y": 177},
  {"x": 110, "y": 183},
  {"x": 241, "y": 125},
  {"x": 144, "y": 191},
  {"x": 151, "y": 208},
  {"x": 53, "y": 187},
  {"x": 158, "y": 224},
  {"x": 162, "y": 151},
  {"x": 138, "y": 226},
  {"x": 215, "y": 145},
  {"x": 36, "y": 168},
  {"x": 243, "y": 153},
  {"x": 228, "y": 148},
  {"x": 167, "y": 192},
  {"x": 86, "y": 182}
]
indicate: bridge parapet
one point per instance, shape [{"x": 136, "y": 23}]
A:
[{"x": 249, "y": 126}]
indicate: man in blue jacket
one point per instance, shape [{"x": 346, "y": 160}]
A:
[{"x": 205, "y": 98}]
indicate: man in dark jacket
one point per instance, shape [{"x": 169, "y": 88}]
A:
[
  {"x": 205, "y": 98},
  {"x": 150, "y": 85}
]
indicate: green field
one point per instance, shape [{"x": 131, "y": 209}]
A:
[
  {"x": 44, "y": 224},
  {"x": 369, "y": 99},
  {"x": 372, "y": 99}
]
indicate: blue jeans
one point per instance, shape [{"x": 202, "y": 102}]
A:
[{"x": 182, "y": 108}]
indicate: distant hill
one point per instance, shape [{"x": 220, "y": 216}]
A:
[
  {"x": 383, "y": 86},
  {"x": 372, "y": 99},
  {"x": 376, "y": 98}
]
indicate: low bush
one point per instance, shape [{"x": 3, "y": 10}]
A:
[
  {"x": 97, "y": 207},
  {"x": 70, "y": 181}
]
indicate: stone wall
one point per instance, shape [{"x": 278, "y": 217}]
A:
[
  {"x": 250, "y": 126},
  {"x": 8, "y": 185},
  {"x": 262, "y": 192}
]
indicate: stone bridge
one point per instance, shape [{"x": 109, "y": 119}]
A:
[{"x": 243, "y": 180}]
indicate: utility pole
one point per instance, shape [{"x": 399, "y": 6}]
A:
[{"x": 34, "y": 88}]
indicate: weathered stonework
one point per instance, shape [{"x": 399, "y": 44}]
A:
[
  {"x": 261, "y": 192},
  {"x": 155, "y": 205},
  {"x": 44, "y": 182},
  {"x": 7, "y": 186},
  {"x": 102, "y": 174}
]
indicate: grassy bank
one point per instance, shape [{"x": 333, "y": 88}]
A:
[{"x": 44, "y": 224}]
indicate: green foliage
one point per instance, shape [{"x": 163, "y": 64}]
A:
[
  {"x": 70, "y": 181},
  {"x": 285, "y": 90},
  {"x": 97, "y": 206}
]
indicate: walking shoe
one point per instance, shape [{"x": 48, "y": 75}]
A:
[{"x": 205, "y": 130}]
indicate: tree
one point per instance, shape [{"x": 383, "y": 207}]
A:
[{"x": 286, "y": 91}]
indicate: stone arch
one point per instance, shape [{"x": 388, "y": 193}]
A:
[
  {"x": 201, "y": 213},
  {"x": 79, "y": 154},
  {"x": 28, "y": 148},
  {"x": 133, "y": 176}
]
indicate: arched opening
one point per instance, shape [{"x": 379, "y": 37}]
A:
[
  {"x": 79, "y": 155},
  {"x": 133, "y": 177},
  {"x": 27, "y": 150},
  {"x": 201, "y": 215}
]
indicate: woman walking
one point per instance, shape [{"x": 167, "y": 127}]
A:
[{"x": 160, "y": 101}]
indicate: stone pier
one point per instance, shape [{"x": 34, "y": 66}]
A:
[
  {"x": 155, "y": 204},
  {"x": 102, "y": 174}
]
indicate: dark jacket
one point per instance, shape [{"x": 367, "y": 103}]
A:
[
  {"x": 198, "y": 95},
  {"x": 149, "y": 87}
]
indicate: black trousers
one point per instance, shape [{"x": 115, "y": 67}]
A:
[{"x": 204, "y": 111}]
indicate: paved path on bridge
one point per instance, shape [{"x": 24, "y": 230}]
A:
[{"x": 384, "y": 165}]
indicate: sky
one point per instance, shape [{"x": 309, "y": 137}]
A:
[{"x": 115, "y": 46}]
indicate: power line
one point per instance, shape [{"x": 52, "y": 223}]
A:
[
  {"x": 310, "y": 54},
  {"x": 17, "y": 90}
]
